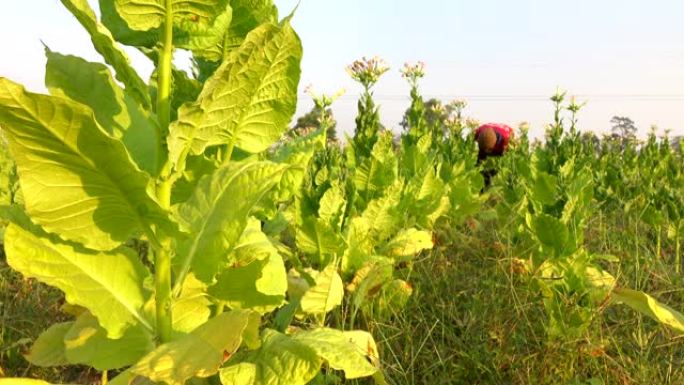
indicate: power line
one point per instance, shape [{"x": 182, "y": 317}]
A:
[{"x": 531, "y": 98}]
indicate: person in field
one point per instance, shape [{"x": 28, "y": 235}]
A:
[{"x": 492, "y": 140}]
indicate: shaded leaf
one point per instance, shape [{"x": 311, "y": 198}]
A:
[
  {"x": 87, "y": 343},
  {"x": 107, "y": 47},
  {"x": 48, "y": 349},
  {"x": 92, "y": 84}
]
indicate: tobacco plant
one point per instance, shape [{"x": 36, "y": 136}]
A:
[
  {"x": 139, "y": 198},
  {"x": 549, "y": 198}
]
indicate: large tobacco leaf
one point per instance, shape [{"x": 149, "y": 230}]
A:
[
  {"x": 217, "y": 214},
  {"x": 87, "y": 343},
  {"x": 250, "y": 99},
  {"x": 198, "y": 354},
  {"x": 110, "y": 284},
  {"x": 77, "y": 181},
  {"x": 143, "y": 15},
  {"x": 48, "y": 349},
  {"x": 295, "y": 360},
  {"x": 257, "y": 280},
  {"x": 105, "y": 44},
  {"x": 115, "y": 110}
]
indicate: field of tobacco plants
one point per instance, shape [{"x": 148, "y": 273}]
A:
[{"x": 176, "y": 231}]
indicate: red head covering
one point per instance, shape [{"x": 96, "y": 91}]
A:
[{"x": 503, "y": 133}]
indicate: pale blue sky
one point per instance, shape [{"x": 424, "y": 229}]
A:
[{"x": 505, "y": 55}]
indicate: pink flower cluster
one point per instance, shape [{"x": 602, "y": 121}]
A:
[
  {"x": 367, "y": 71},
  {"x": 413, "y": 72}
]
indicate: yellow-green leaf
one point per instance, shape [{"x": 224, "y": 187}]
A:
[
  {"x": 217, "y": 214},
  {"x": 87, "y": 343},
  {"x": 109, "y": 284},
  {"x": 281, "y": 360},
  {"x": 92, "y": 84},
  {"x": 647, "y": 305},
  {"x": 339, "y": 351},
  {"x": 200, "y": 353},
  {"x": 326, "y": 294},
  {"x": 48, "y": 350},
  {"x": 104, "y": 44},
  {"x": 250, "y": 99},
  {"x": 258, "y": 281},
  {"x": 143, "y": 15},
  {"x": 408, "y": 243},
  {"x": 77, "y": 181}
]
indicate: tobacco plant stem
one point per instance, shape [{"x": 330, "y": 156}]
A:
[
  {"x": 229, "y": 153},
  {"x": 164, "y": 75},
  {"x": 162, "y": 261},
  {"x": 163, "y": 294}
]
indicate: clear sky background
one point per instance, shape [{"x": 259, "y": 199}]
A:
[{"x": 625, "y": 57}]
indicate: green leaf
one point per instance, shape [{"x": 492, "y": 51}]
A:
[
  {"x": 550, "y": 232},
  {"x": 217, "y": 214},
  {"x": 383, "y": 215},
  {"x": 120, "y": 30},
  {"x": 378, "y": 172},
  {"x": 200, "y": 353},
  {"x": 48, "y": 350},
  {"x": 281, "y": 360},
  {"x": 338, "y": 351},
  {"x": 332, "y": 206},
  {"x": 196, "y": 167},
  {"x": 205, "y": 40},
  {"x": 545, "y": 188},
  {"x": 408, "y": 243},
  {"x": 320, "y": 236},
  {"x": 326, "y": 294},
  {"x": 259, "y": 280},
  {"x": 87, "y": 343},
  {"x": 248, "y": 15},
  {"x": 368, "y": 282},
  {"x": 109, "y": 284},
  {"x": 184, "y": 90},
  {"x": 143, "y": 15},
  {"x": 77, "y": 181},
  {"x": 191, "y": 309},
  {"x": 117, "y": 112},
  {"x": 250, "y": 99},
  {"x": 647, "y": 305},
  {"x": 104, "y": 44},
  {"x": 259, "y": 286},
  {"x": 298, "y": 152}
]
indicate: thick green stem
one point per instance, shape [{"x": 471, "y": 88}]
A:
[
  {"x": 229, "y": 153},
  {"x": 162, "y": 279},
  {"x": 164, "y": 75},
  {"x": 162, "y": 261}
]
